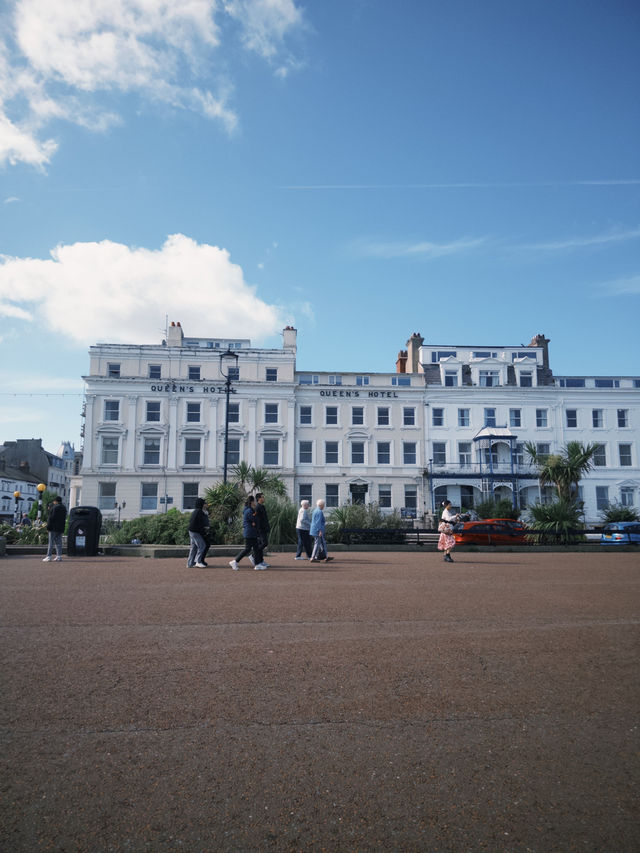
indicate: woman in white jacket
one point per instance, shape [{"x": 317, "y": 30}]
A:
[
  {"x": 447, "y": 541},
  {"x": 303, "y": 525}
]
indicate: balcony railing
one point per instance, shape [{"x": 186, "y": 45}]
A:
[{"x": 484, "y": 469}]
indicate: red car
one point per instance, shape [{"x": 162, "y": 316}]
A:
[{"x": 490, "y": 531}]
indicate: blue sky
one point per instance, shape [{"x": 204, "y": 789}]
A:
[{"x": 362, "y": 169}]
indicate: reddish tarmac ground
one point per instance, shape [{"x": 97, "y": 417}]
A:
[{"x": 381, "y": 702}]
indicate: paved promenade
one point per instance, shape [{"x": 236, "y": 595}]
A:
[{"x": 381, "y": 702}]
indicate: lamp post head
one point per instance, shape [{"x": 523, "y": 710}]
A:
[
  {"x": 41, "y": 488},
  {"x": 16, "y": 495},
  {"x": 228, "y": 354}
]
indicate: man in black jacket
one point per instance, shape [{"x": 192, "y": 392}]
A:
[
  {"x": 55, "y": 526},
  {"x": 262, "y": 526},
  {"x": 198, "y": 536}
]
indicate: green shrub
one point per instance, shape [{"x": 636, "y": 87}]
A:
[
  {"x": 503, "y": 508},
  {"x": 559, "y": 521},
  {"x": 616, "y": 512},
  {"x": 359, "y": 516},
  {"x": 170, "y": 528}
]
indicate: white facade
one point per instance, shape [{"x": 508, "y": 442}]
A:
[{"x": 451, "y": 421}]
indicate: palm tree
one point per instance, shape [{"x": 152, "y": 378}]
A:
[
  {"x": 262, "y": 481},
  {"x": 563, "y": 470}
]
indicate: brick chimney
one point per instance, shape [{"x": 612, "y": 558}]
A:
[
  {"x": 413, "y": 356},
  {"x": 401, "y": 362},
  {"x": 175, "y": 335}
]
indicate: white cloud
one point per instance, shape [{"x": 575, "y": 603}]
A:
[
  {"x": 604, "y": 239},
  {"x": 60, "y": 57},
  {"x": 422, "y": 249},
  {"x": 621, "y": 286},
  {"x": 90, "y": 292}
]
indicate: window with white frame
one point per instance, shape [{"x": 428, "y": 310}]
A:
[
  {"x": 542, "y": 419},
  {"x": 409, "y": 455},
  {"x": 305, "y": 415},
  {"x": 233, "y": 451},
  {"x": 451, "y": 378},
  {"x": 572, "y": 418},
  {"x": 489, "y": 417},
  {"x": 331, "y": 415},
  {"x": 357, "y": 452},
  {"x": 357, "y": 416},
  {"x": 110, "y": 447},
  {"x": 331, "y": 495},
  {"x": 305, "y": 452},
  {"x": 466, "y": 497},
  {"x": 384, "y": 452},
  {"x": 193, "y": 372},
  {"x": 384, "y": 496},
  {"x": 193, "y": 413},
  {"x": 400, "y": 379},
  {"x": 489, "y": 378},
  {"x": 437, "y": 417},
  {"x": 439, "y": 453},
  {"x": 597, "y": 418},
  {"x": 149, "y": 496},
  {"x": 543, "y": 449},
  {"x": 234, "y": 413},
  {"x": 192, "y": 448},
  {"x": 331, "y": 452},
  {"x": 411, "y": 497},
  {"x": 362, "y": 380},
  {"x": 626, "y": 495},
  {"x": 106, "y": 495},
  {"x": 155, "y": 371},
  {"x": 335, "y": 379},
  {"x": 515, "y": 418},
  {"x": 464, "y": 453},
  {"x": 111, "y": 410},
  {"x": 518, "y": 453},
  {"x": 600, "y": 456},
  {"x": 152, "y": 411},
  {"x": 271, "y": 452},
  {"x": 408, "y": 416},
  {"x": 526, "y": 379},
  {"x": 464, "y": 419},
  {"x": 623, "y": 418},
  {"x": 624, "y": 452},
  {"x": 602, "y": 497},
  {"x": 271, "y": 374},
  {"x": 113, "y": 370},
  {"x": 151, "y": 455},
  {"x": 383, "y": 416},
  {"x": 271, "y": 413},
  {"x": 305, "y": 492},
  {"x": 309, "y": 379},
  {"x": 189, "y": 495}
]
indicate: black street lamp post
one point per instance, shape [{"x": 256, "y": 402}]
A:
[{"x": 229, "y": 354}]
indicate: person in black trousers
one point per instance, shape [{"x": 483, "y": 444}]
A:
[
  {"x": 250, "y": 533},
  {"x": 55, "y": 526},
  {"x": 198, "y": 536}
]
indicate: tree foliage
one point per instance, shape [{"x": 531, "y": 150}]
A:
[
  {"x": 503, "y": 508},
  {"x": 616, "y": 512},
  {"x": 559, "y": 521},
  {"x": 563, "y": 470}
]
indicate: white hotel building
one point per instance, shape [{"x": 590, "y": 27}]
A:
[{"x": 450, "y": 421}]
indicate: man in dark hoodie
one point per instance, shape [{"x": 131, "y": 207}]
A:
[
  {"x": 55, "y": 526},
  {"x": 198, "y": 536}
]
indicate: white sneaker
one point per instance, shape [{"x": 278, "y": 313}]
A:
[
  {"x": 252, "y": 559},
  {"x": 299, "y": 558},
  {"x": 57, "y": 559},
  {"x": 261, "y": 567},
  {"x": 201, "y": 565},
  {"x": 47, "y": 560},
  {"x": 234, "y": 565}
]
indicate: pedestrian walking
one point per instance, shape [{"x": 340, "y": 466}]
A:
[
  {"x": 55, "y": 526},
  {"x": 318, "y": 531},
  {"x": 198, "y": 536},
  {"x": 303, "y": 526},
  {"x": 447, "y": 541},
  {"x": 250, "y": 533},
  {"x": 263, "y": 526}
]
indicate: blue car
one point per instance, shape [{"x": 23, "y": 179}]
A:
[{"x": 621, "y": 533}]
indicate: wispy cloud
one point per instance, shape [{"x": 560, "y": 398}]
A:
[
  {"x": 132, "y": 289},
  {"x": 63, "y": 59},
  {"x": 604, "y": 239},
  {"x": 620, "y": 286},
  {"x": 11, "y": 200},
  {"x": 464, "y": 185},
  {"x": 422, "y": 249}
]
